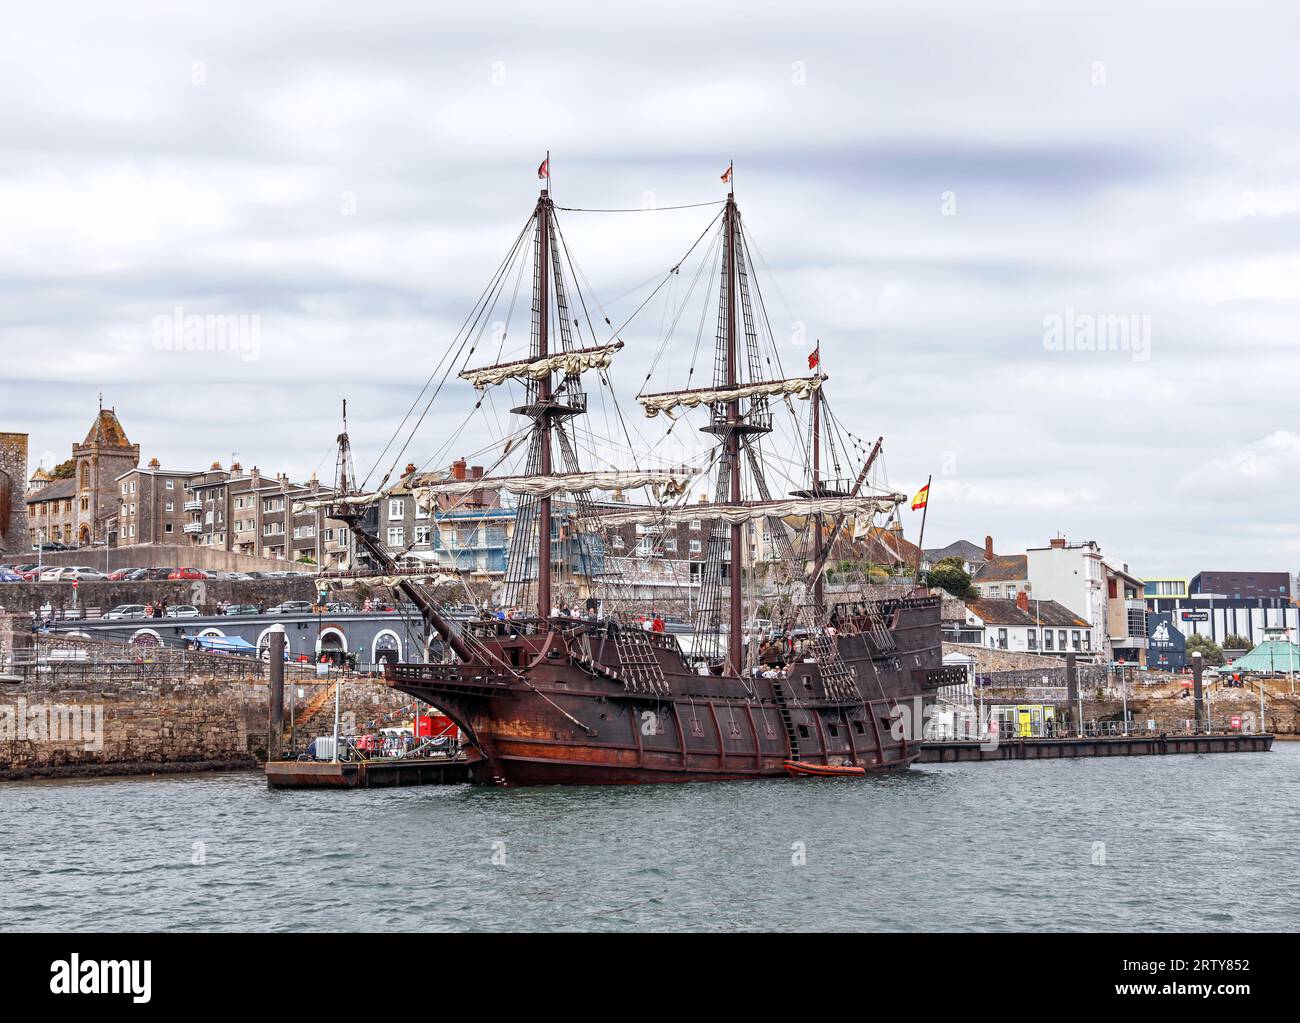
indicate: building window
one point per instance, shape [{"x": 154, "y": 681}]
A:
[
  {"x": 1087, "y": 640},
  {"x": 396, "y": 536},
  {"x": 1033, "y": 639},
  {"x": 167, "y": 506},
  {"x": 167, "y": 527},
  {"x": 423, "y": 534},
  {"x": 396, "y": 508},
  {"x": 1047, "y": 639},
  {"x": 171, "y": 484},
  {"x": 1002, "y": 639},
  {"x": 695, "y": 523},
  {"x": 695, "y": 547},
  {"x": 670, "y": 543}
]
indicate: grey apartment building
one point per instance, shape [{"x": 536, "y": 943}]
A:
[{"x": 248, "y": 513}]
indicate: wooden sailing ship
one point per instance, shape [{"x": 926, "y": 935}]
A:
[{"x": 582, "y": 698}]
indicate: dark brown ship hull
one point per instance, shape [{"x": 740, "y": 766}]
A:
[{"x": 567, "y": 712}]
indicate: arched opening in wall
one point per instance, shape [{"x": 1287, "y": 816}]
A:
[
  {"x": 264, "y": 645},
  {"x": 146, "y": 638},
  {"x": 387, "y": 648},
  {"x": 331, "y": 644},
  {"x": 83, "y": 535}
]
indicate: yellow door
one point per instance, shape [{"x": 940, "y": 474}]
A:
[{"x": 1026, "y": 729}]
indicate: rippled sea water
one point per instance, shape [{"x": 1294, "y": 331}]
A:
[{"x": 1190, "y": 843}]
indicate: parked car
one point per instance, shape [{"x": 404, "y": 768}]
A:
[
  {"x": 8, "y": 575},
  {"x": 340, "y": 607},
  {"x": 240, "y": 609},
  {"x": 125, "y": 611},
  {"x": 290, "y": 607},
  {"x": 187, "y": 573},
  {"x": 238, "y": 577},
  {"x": 183, "y": 611},
  {"x": 70, "y": 573}
]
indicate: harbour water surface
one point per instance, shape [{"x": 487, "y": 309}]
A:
[{"x": 1162, "y": 843}]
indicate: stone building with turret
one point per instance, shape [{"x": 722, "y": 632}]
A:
[{"x": 84, "y": 509}]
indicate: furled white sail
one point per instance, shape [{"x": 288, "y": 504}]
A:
[
  {"x": 737, "y": 513},
  {"x": 428, "y": 582},
  {"x": 563, "y": 362},
  {"x": 672, "y": 480},
  {"x": 801, "y": 387},
  {"x": 356, "y": 500}
]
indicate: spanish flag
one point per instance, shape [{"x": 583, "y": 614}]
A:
[{"x": 922, "y": 498}]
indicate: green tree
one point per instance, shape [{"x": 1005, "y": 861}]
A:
[
  {"x": 1210, "y": 651},
  {"x": 949, "y": 575},
  {"x": 64, "y": 470},
  {"x": 1235, "y": 642}
]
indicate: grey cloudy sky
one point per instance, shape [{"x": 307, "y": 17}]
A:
[{"x": 352, "y": 174}]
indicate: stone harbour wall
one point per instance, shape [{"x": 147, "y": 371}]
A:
[{"x": 60, "y": 725}]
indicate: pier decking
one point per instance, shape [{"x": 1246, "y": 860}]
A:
[
  {"x": 946, "y": 751},
  {"x": 367, "y": 774}
]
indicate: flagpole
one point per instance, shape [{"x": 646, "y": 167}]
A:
[
  {"x": 925, "y": 510},
  {"x": 548, "y": 172}
]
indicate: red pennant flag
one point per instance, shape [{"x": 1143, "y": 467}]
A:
[
  {"x": 815, "y": 357},
  {"x": 544, "y": 170},
  {"x": 726, "y": 176}
]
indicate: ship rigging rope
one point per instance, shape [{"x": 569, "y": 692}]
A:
[
  {"x": 575, "y": 271},
  {"x": 451, "y": 355},
  {"x": 651, "y": 209}
]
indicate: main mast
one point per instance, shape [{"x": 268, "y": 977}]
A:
[
  {"x": 735, "y": 650},
  {"x": 819, "y": 580},
  {"x": 543, "y": 407}
]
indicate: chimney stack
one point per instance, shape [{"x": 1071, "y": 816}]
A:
[
  {"x": 458, "y": 469},
  {"x": 409, "y": 470},
  {"x": 988, "y": 548},
  {"x": 154, "y": 463},
  {"x": 1022, "y": 601},
  {"x": 1058, "y": 543}
]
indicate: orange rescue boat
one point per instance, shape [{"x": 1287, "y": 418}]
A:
[{"x": 799, "y": 769}]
